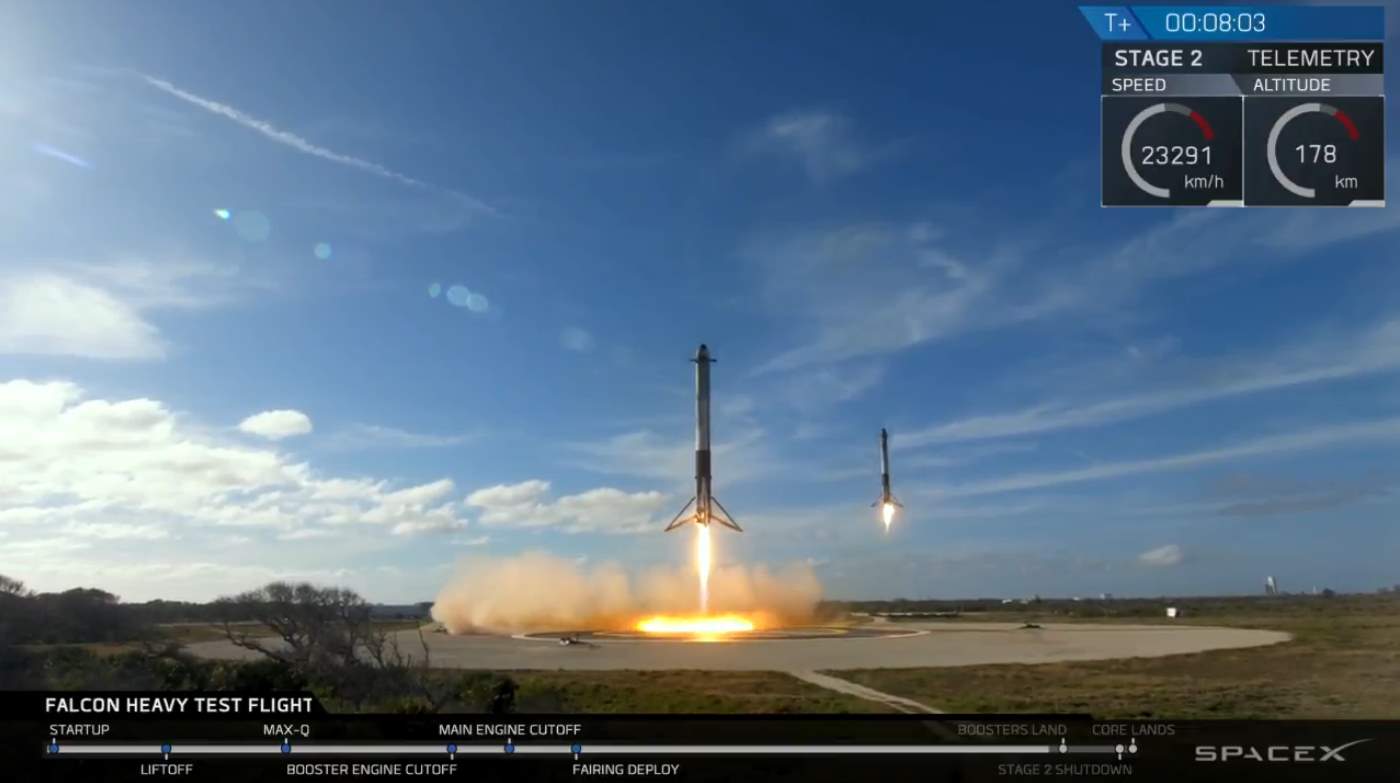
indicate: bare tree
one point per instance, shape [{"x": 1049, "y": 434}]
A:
[
  {"x": 315, "y": 625},
  {"x": 13, "y": 587},
  {"x": 328, "y": 634}
]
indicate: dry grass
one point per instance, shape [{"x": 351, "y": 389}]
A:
[
  {"x": 1343, "y": 662},
  {"x": 189, "y": 633},
  {"x": 679, "y": 692}
]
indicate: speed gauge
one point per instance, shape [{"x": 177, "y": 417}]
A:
[{"x": 1159, "y": 151}]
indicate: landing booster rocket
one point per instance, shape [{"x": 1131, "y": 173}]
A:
[
  {"x": 887, "y": 502},
  {"x": 707, "y": 507}
]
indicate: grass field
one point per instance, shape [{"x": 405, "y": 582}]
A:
[
  {"x": 1343, "y": 662},
  {"x": 678, "y": 692},
  {"x": 602, "y": 691},
  {"x": 189, "y": 633}
]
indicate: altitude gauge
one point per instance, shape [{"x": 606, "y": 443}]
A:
[
  {"x": 1326, "y": 151},
  {"x": 1171, "y": 150}
]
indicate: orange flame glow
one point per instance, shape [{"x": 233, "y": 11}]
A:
[
  {"x": 698, "y": 625},
  {"x": 887, "y": 512}
]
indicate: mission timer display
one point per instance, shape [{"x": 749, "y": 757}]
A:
[{"x": 1241, "y": 105}]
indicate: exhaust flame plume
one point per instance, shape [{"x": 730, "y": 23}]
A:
[
  {"x": 887, "y": 513},
  {"x": 537, "y": 591},
  {"x": 730, "y": 623},
  {"x": 702, "y": 565}
]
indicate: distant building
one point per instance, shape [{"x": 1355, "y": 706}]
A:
[
  {"x": 1105, "y": 596},
  {"x": 1270, "y": 586},
  {"x": 1172, "y": 611}
]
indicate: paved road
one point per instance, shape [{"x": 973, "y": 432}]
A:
[
  {"x": 939, "y": 644},
  {"x": 863, "y": 692},
  {"x": 926, "y": 644}
]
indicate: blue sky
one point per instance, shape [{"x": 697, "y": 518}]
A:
[{"x": 874, "y": 216}]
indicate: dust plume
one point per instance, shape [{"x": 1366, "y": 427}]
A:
[{"x": 537, "y": 591}]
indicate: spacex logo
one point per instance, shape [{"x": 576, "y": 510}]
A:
[{"x": 1276, "y": 753}]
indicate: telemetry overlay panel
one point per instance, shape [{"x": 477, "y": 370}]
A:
[{"x": 1242, "y": 105}]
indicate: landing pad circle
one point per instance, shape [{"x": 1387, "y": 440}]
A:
[{"x": 800, "y": 633}]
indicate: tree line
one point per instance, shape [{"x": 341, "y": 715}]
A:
[{"x": 325, "y": 639}]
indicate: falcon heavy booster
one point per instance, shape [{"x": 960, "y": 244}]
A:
[
  {"x": 706, "y": 507},
  {"x": 887, "y": 498}
]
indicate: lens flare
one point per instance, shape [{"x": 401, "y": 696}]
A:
[
  {"x": 458, "y": 295},
  {"x": 702, "y": 565},
  {"x": 887, "y": 513}
]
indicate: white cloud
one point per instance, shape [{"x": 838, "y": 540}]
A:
[
  {"x": 100, "y": 310},
  {"x": 472, "y": 541},
  {"x": 132, "y": 469},
  {"x": 54, "y": 315},
  {"x": 1305, "y": 440},
  {"x": 115, "y": 530},
  {"x": 736, "y": 406},
  {"x": 812, "y": 430},
  {"x": 822, "y": 142},
  {"x": 509, "y": 495},
  {"x": 963, "y": 455},
  {"x": 421, "y": 494},
  {"x": 862, "y": 290},
  {"x": 300, "y": 144},
  {"x": 1375, "y": 350},
  {"x": 148, "y": 578},
  {"x": 812, "y": 390},
  {"x": 603, "y": 510},
  {"x": 1162, "y": 556},
  {"x": 305, "y": 534},
  {"x": 374, "y": 436},
  {"x": 878, "y": 287},
  {"x": 646, "y": 454},
  {"x": 641, "y": 453},
  {"x": 169, "y": 282},
  {"x": 421, "y": 526},
  {"x": 575, "y": 338},
  {"x": 276, "y": 425}
]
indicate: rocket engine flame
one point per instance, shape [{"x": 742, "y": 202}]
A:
[
  {"x": 720, "y": 624},
  {"x": 887, "y": 513},
  {"x": 539, "y": 591},
  {"x": 702, "y": 565},
  {"x": 704, "y": 626}
]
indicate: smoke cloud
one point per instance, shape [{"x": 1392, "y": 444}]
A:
[{"x": 537, "y": 591}]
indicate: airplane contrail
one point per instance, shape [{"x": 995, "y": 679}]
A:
[
  {"x": 66, "y": 157},
  {"x": 289, "y": 139}
]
